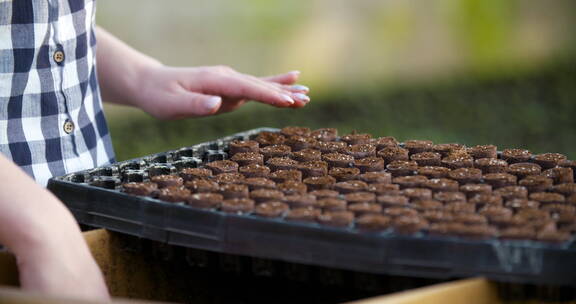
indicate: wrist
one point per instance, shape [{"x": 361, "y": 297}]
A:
[{"x": 136, "y": 80}]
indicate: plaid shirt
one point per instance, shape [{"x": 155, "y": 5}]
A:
[{"x": 51, "y": 118}]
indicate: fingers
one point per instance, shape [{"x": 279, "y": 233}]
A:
[
  {"x": 230, "y": 84},
  {"x": 229, "y": 105},
  {"x": 287, "y": 78},
  {"x": 287, "y": 82},
  {"x": 239, "y": 86},
  {"x": 190, "y": 104}
]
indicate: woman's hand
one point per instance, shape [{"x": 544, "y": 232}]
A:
[
  {"x": 173, "y": 93},
  {"x": 129, "y": 77}
]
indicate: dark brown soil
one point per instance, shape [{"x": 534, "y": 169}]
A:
[
  {"x": 548, "y": 198},
  {"x": 449, "y": 197},
  {"x": 248, "y": 158},
  {"x": 201, "y": 185},
  {"x": 270, "y": 138},
  {"x": 174, "y": 194},
  {"x": 141, "y": 189},
  {"x": 418, "y": 146},
  {"x": 307, "y": 155},
  {"x": 409, "y": 224},
  {"x": 446, "y": 149},
  {"x": 313, "y": 168},
  {"x": 413, "y": 181},
  {"x": 255, "y": 183},
  {"x": 549, "y": 160},
  {"x": 301, "y": 200},
  {"x": 373, "y": 222},
  {"x": 376, "y": 177},
  {"x": 239, "y": 146},
  {"x": 325, "y": 134},
  {"x": 427, "y": 158},
  {"x": 336, "y": 159},
  {"x": 390, "y": 154},
  {"x": 491, "y": 165},
  {"x": 319, "y": 182},
  {"x": 521, "y": 170},
  {"x": 281, "y": 163},
  {"x": 356, "y": 138},
  {"x": 510, "y": 192},
  {"x": 427, "y": 204},
  {"x": 271, "y": 209},
  {"x": 369, "y": 164},
  {"x": 229, "y": 178},
  {"x": 336, "y": 218},
  {"x": 433, "y": 171},
  {"x": 536, "y": 183},
  {"x": 416, "y": 194},
  {"x": 458, "y": 160},
  {"x": 281, "y": 176},
  {"x": 265, "y": 195},
  {"x": 192, "y": 173},
  {"x": 331, "y": 146},
  {"x": 393, "y": 201},
  {"x": 466, "y": 175},
  {"x": 295, "y": 131},
  {"x": 229, "y": 191},
  {"x": 222, "y": 166},
  {"x": 332, "y": 204},
  {"x": 401, "y": 168},
  {"x": 361, "y": 150},
  {"x": 485, "y": 199},
  {"x": 383, "y": 188},
  {"x": 442, "y": 184},
  {"x": 472, "y": 190},
  {"x": 321, "y": 194},
  {"x": 483, "y": 151},
  {"x": 384, "y": 142},
  {"x": 291, "y": 187},
  {"x": 205, "y": 200},
  {"x": 499, "y": 180},
  {"x": 360, "y": 197},
  {"x": 305, "y": 214},
  {"x": 238, "y": 205},
  {"x": 513, "y": 156},
  {"x": 364, "y": 208},
  {"x": 164, "y": 181},
  {"x": 560, "y": 175},
  {"x": 276, "y": 151},
  {"x": 298, "y": 143},
  {"x": 344, "y": 174},
  {"x": 350, "y": 186},
  {"x": 254, "y": 170}
]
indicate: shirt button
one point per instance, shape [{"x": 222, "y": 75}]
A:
[
  {"x": 58, "y": 56},
  {"x": 68, "y": 127}
]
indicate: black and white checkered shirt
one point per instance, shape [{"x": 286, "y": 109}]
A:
[{"x": 51, "y": 119}]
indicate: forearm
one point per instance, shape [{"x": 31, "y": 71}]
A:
[
  {"x": 30, "y": 215},
  {"x": 52, "y": 256},
  {"x": 119, "y": 66}
]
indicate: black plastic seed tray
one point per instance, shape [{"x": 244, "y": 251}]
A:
[{"x": 94, "y": 198}]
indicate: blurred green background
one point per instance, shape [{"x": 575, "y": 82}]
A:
[{"x": 469, "y": 71}]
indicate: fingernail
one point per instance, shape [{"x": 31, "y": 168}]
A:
[
  {"x": 294, "y": 72},
  {"x": 287, "y": 99},
  {"x": 301, "y": 97},
  {"x": 298, "y": 87},
  {"x": 213, "y": 102}
]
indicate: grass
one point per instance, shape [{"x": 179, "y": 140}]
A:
[{"x": 534, "y": 111}]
